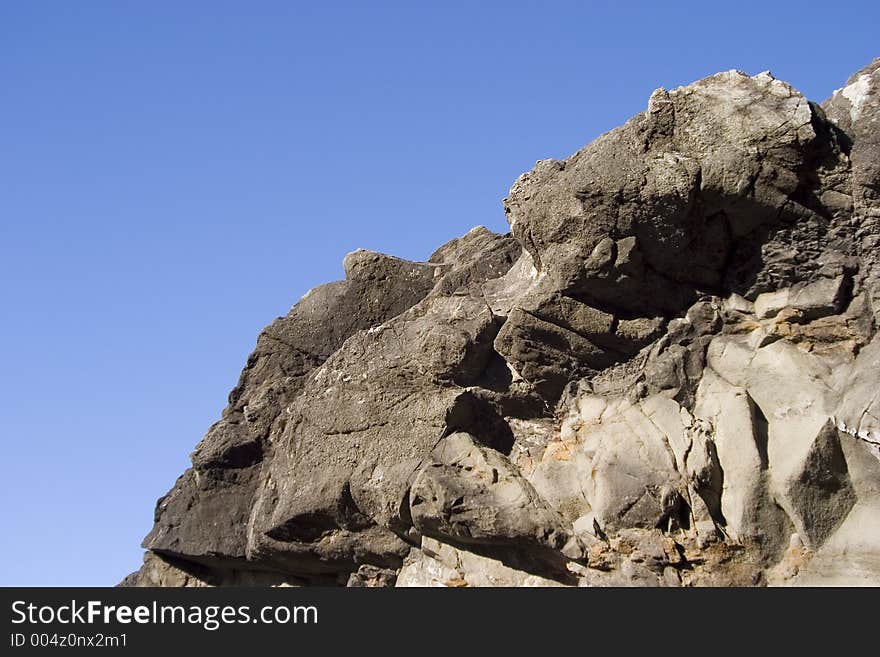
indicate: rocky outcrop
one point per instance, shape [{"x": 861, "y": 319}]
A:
[{"x": 665, "y": 375}]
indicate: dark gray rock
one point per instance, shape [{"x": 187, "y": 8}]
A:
[
  {"x": 372, "y": 577},
  {"x": 205, "y": 516}
]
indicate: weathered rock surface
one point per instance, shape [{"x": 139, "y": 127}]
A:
[{"x": 666, "y": 375}]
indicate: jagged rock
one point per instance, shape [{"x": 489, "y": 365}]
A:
[
  {"x": 740, "y": 438},
  {"x": 631, "y": 465},
  {"x": 666, "y": 376},
  {"x": 814, "y": 486},
  {"x": 437, "y": 564},
  {"x": 855, "y": 110},
  {"x": 858, "y": 411},
  {"x": 368, "y": 576},
  {"x": 813, "y": 300},
  {"x": 649, "y": 211},
  {"x": 206, "y": 515},
  {"x": 336, "y": 487},
  {"x": 545, "y": 354},
  {"x": 167, "y": 571},
  {"x": 469, "y": 494}
]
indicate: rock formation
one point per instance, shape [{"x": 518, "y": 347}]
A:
[{"x": 667, "y": 374}]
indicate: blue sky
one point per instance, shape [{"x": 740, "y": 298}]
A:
[{"x": 175, "y": 175}]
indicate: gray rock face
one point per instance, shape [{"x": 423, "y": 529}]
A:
[
  {"x": 205, "y": 516},
  {"x": 666, "y": 375},
  {"x": 474, "y": 496}
]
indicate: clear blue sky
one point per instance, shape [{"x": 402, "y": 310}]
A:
[{"x": 175, "y": 175}]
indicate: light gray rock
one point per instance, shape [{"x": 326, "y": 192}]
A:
[
  {"x": 818, "y": 299},
  {"x": 855, "y": 111},
  {"x": 813, "y": 484},
  {"x": 740, "y": 439},
  {"x": 858, "y": 411},
  {"x": 615, "y": 462},
  {"x": 770, "y": 303},
  {"x": 467, "y": 494},
  {"x": 437, "y": 564},
  {"x": 794, "y": 399}
]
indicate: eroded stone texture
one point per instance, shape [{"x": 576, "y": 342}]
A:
[{"x": 666, "y": 375}]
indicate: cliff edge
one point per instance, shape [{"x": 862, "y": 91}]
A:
[{"x": 666, "y": 374}]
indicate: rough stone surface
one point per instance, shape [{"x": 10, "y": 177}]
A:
[{"x": 666, "y": 375}]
